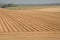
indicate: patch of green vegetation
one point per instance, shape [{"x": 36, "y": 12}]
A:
[
  {"x": 8, "y": 5},
  {"x": 24, "y": 7}
]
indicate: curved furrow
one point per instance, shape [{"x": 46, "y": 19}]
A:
[
  {"x": 8, "y": 26},
  {"x": 4, "y": 26},
  {"x": 19, "y": 24},
  {"x": 34, "y": 25},
  {"x": 22, "y": 25},
  {"x": 11, "y": 27},
  {"x": 46, "y": 27},
  {"x": 48, "y": 23},
  {"x": 14, "y": 25},
  {"x": 1, "y": 27},
  {"x": 27, "y": 25}
]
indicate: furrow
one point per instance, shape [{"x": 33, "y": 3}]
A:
[
  {"x": 29, "y": 25},
  {"x": 15, "y": 23},
  {"x": 13, "y": 26},
  {"x": 1, "y": 27},
  {"x": 23, "y": 25},
  {"x": 4, "y": 25}
]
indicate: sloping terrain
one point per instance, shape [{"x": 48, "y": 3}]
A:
[
  {"x": 28, "y": 21},
  {"x": 51, "y": 9},
  {"x": 29, "y": 25}
]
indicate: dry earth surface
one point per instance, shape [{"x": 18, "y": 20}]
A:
[{"x": 37, "y": 24}]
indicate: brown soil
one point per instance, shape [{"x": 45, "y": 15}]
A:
[{"x": 29, "y": 24}]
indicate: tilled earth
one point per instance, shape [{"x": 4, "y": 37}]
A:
[{"x": 28, "y": 21}]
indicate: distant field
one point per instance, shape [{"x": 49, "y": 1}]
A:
[{"x": 29, "y": 7}]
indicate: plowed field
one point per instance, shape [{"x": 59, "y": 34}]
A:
[{"x": 35, "y": 22}]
